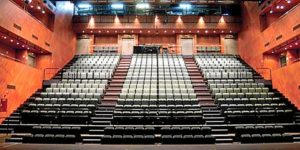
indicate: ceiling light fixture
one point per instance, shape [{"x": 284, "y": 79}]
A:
[{"x": 142, "y": 6}]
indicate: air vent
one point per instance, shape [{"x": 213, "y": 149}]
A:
[
  {"x": 296, "y": 27},
  {"x": 17, "y": 27},
  {"x": 267, "y": 44},
  {"x": 35, "y": 37},
  {"x": 10, "y": 86},
  {"x": 278, "y": 37},
  {"x": 47, "y": 44}
]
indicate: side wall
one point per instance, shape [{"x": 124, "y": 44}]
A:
[
  {"x": 25, "y": 78},
  {"x": 252, "y": 44}
]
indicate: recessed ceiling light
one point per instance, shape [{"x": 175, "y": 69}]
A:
[
  {"x": 281, "y": 7},
  {"x": 99, "y": 31},
  {"x": 39, "y": 7},
  {"x": 222, "y": 31},
  {"x": 18, "y": 43},
  {"x": 165, "y": 31},
  {"x": 214, "y": 31},
  {"x": 271, "y": 11},
  {"x": 181, "y": 31},
  {"x": 190, "y": 31},
  {"x": 131, "y": 31},
  {"x": 206, "y": 31},
  {"x": 141, "y": 31},
  {"x": 83, "y": 31},
  {"x": 285, "y": 48},
  {"x": 272, "y": 52},
  {"x": 91, "y": 31},
  {"x": 230, "y": 31},
  {"x": 296, "y": 43},
  {"x": 198, "y": 31},
  {"x": 277, "y": 7},
  {"x": 148, "y": 31},
  {"x": 291, "y": 46},
  {"x": 11, "y": 40},
  {"x": 288, "y": 1},
  {"x": 116, "y": 31},
  {"x": 23, "y": 46},
  {"x": 31, "y": 6},
  {"x": 124, "y": 31},
  {"x": 28, "y": 48},
  {"x": 43, "y": 11},
  {"x": 173, "y": 31},
  {"x": 107, "y": 31},
  {"x": 5, "y": 37}
]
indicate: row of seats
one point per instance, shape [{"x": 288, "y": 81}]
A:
[
  {"x": 86, "y": 75},
  {"x": 237, "y": 85},
  {"x": 148, "y": 95},
  {"x": 165, "y": 139},
  {"x": 229, "y": 81},
  {"x": 208, "y": 48},
  {"x": 266, "y": 138},
  {"x": 248, "y": 100},
  {"x": 71, "y": 95},
  {"x": 159, "y": 102},
  {"x": 84, "y": 81},
  {"x": 193, "y": 130},
  {"x": 75, "y": 90},
  {"x": 39, "y": 100},
  {"x": 75, "y": 85},
  {"x": 259, "y": 129},
  {"x": 50, "y": 138}
]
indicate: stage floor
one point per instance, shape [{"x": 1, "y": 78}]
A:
[{"x": 283, "y": 146}]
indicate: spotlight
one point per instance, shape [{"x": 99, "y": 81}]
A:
[
  {"x": 27, "y": 1},
  {"x": 185, "y": 6},
  {"x": 117, "y": 6},
  {"x": 38, "y": 7},
  {"x": 142, "y": 6},
  {"x": 84, "y": 6}
]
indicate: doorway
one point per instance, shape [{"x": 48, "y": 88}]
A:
[
  {"x": 187, "y": 45},
  {"x": 127, "y": 46}
]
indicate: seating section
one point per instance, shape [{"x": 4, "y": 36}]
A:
[
  {"x": 157, "y": 90},
  {"x": 208, "y": 48},
  {"x": 241, "y": 98},
  {"x": 70, "y": 99},
  {"x": 154, "y": 101},
  {"x": 262, "y": 134},
  {"x": 151, "y": 135},
  {"x": 105, "y": 49}
]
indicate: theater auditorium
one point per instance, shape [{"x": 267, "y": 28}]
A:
[{"x": 149, "y": 74}]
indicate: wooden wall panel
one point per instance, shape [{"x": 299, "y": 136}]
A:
[
  {"x": 251, "y": 43},
  {"x": 164, "y": 40},
  {"x": 62, "y": 46},
  {"x": 4, "y": 49},
  {"x": 106, "y": 39},
  {"x": 208, "y": 40}
]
